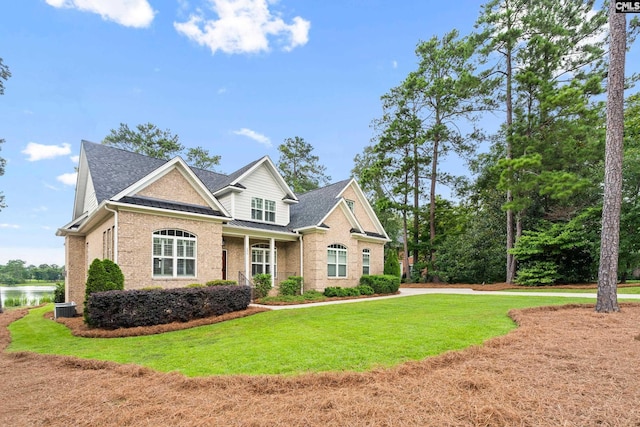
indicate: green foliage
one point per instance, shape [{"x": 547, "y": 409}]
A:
[
  {"x": 262, "y": 284},
  {"x": 382, "y": 283},
  {"x": 114, "y": 274},
  {"x": 365, "y": 290},
  {"x": 149, "y": 140},
  {"x": 558, "y": 253},
  {"x": 195, "y": 285},
  {"x": 104, "y": 275},
  {"x": 309, "y": 296},
  {"x": 337, "y": 291},
  {"x": 59, "y": 292},
  {"x": 300, "y": 169},
  {"x": 475, "y": 255},
  {"x": 289, "y": 287},
  {"x": 220, "y": 282},
  {"x": 391, "y": 263}
]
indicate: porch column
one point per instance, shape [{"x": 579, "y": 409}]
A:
[
  {"x": 247, "y": 258},
  {"x": 272, "y": 260}
]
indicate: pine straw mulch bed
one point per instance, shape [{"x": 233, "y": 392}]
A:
[{"x": 563, "y": 366}]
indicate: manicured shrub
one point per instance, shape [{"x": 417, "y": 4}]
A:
[
  {"x": 58, "y": 293},
  {"x": 262, "y": 284},
  {"x": 117, "y": 309},
  {"x": 365, "y": 290},
  {"x": 220, "y": 282},
  {"x": 382, "y": 283},
  {"x": 337, "y": 291},
  {"x": 289, "y": 287},
  {"x": 103, "y": 275},
  {"x": 114, "y": 274},
  {"x": 195, "y": 285}
]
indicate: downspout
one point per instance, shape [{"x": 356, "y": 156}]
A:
[
  {"x": 272, "y": 261},
  {"x": 301, "y": 265},
  {"x": 115, "y": 233}
]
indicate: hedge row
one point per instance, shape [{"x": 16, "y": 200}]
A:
[
  {"x": 124, "y": 309},
  {"x": 337, "y": 291},
  {"x": 381, "y": 283}
]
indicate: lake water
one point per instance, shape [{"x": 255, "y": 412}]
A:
[{"x": 28, "y": 295}]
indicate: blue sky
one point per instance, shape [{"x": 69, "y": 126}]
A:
[{"x": 236, "y": 86}]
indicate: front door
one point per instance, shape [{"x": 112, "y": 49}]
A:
[{"x": 224, "y": 264}]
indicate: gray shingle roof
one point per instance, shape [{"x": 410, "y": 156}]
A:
[
  {"x": 173, "y": 206},
  {"x": 113, "y": 170},
  {"x": 315, "y": 205}
]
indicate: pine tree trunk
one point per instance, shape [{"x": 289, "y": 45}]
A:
[{"x": 610, "y": 236}]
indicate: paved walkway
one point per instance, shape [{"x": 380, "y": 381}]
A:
[{"x": 406, "y": 292}]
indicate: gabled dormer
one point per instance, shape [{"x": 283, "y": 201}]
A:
[{"x": 257, "y": 193}]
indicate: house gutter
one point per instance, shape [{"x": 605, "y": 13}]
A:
[
  {"x": 116, "y": 231},
  {"x": 301, "y": 265}
]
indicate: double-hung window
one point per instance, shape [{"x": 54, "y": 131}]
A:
[
  {"x": 366, "y": 261},
  {"x": 174, "y": 254},
  {"x": 337, "y": 261},
  {"x": 263, "y": 210}
]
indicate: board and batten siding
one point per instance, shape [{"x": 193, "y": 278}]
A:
[{"x": 261, "y": 183}]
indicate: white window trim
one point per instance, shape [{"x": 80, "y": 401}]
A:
[
  {"x": 366, "y": 254},
  {"x": 174, "y": 238},
  {"x": 338, "y": 248},
  {"x": 262, "y": 210},
  {"x": 266, "y": 250}
]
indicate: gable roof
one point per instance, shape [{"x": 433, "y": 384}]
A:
[{"x": 315, "y": 205}]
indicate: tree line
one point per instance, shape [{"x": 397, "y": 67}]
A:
[{"x": 16, "y": 272}]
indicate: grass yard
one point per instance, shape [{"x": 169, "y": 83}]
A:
[{"x": 346, "y": 337}]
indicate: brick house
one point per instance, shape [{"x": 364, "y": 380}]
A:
[{"x": 168, "y": 224}]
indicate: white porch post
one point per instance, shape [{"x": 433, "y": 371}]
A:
[
  {"x": 272, "y": 260},
  {"x": 247, "y": 258}
]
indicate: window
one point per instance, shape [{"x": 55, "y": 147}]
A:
[
  {"x": 107, "y": 244},
  {"x": 256, "y": 208},
  {"x": 260, "y": 259},
  {"x": 263, "y": 210},
  {"x": 174, "y": 254},
  {"x": 366, "y": 259},
  {"x": 351, "y": 204},
  {"x": 337, "y": 261}
]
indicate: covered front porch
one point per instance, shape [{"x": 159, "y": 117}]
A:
[{"x": 248, "y": 251}]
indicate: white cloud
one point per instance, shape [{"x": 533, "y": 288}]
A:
[
  {"x": 243, "y": 26},
  {"x": 394, "y": 64},
  {"x": 14, "y": 226},
  {"x": 68, "y": 178},
  {"x": 254, "y": 135},
  {"x": 40, "y": 151},
  {"x": 75, "y": 159},
  {"x": 130, "y": 13}
]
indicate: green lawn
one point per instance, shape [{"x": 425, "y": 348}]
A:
[
  {"x": 344, "y": 337},
  {"x": 626, "y": 290}
]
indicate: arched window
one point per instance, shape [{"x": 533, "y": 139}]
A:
[
  {"x": 261, "y": 261},
  {"x": 366, "y": 261},
  {"x": 336, "y": 261},
  {"x": 174, "y": 253}
]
